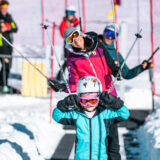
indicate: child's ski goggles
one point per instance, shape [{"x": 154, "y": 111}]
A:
[
  {"x": 109, "y": 33},
  {"x": 86, "y": 101},
  {"x": 73, "y": 36}
]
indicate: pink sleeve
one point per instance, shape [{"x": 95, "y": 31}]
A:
[{"x": 73, "y": 75}]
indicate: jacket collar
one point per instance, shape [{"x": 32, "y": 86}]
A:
[{"x": 99, "y": 109}]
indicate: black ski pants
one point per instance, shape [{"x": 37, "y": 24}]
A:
[
  {"x": 6, "y": 65},
  {"x": 113, "y": 143}
]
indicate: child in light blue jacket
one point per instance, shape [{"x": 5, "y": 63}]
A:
[{"x": 92, "y": 113}]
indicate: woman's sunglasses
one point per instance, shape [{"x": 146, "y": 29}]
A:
[{"x": 73, "y": 36}]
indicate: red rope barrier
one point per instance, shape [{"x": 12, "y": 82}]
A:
[
  {"x": 84, "y": 16},
  {"x": 152, "y": 42}
]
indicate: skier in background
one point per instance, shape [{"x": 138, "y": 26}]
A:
[
  {"x": 108, "y": 39},
  {"x": 92, "y": 117},
  {"x": 70, "y": 20},
  {"x": 7, "y": 27}
]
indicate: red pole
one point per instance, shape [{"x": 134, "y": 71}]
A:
[
  {"x": 117, "y": 44},
  {"x": 84, "y": 16},
  {"x": 52, "y": 69},
  {"x": 66, "y": 3},
  {"x": 152, "y": 42},
  {"x": 42, "y": 19}
]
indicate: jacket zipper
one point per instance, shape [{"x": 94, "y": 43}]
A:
[{"x": 90, "y": 127}]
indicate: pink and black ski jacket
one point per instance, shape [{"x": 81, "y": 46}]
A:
[{"x": 92, "y": 63}]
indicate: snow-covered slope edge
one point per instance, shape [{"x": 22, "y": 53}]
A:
[{"x": 150, "y": 133}]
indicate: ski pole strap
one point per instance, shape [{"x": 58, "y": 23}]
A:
[{"x": 153, "y": 54}]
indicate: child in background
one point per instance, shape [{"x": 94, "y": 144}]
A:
[{"x": 92, "y": 116}]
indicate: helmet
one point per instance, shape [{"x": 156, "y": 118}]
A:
[
  {"x": 89, "y": 84},
  {"x": 112, "y": 27},
  {"x": 71, "y": 8},
  {"x": 4, "y": 3}
]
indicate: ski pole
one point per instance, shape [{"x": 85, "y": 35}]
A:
[
  {"x": 25, "y": 58},
  {"x": 115, "y": 29},
  {"x": 153, "y": 54},
  {"x": 45, "y": 27},
  {"x": 80, "y": 19},
  {"x": 67, "y": 85},
  {"x": 137, "y": 36}
]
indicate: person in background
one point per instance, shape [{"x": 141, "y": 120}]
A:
[
  {"x": 108, "y": 39},
  {"x": 7, "y": 28},
  {"x": 70, "y": 20},
  {"x": 91, "y": 117}
]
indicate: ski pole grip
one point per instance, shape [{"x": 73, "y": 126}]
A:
[{"x": 138, "y": 34}]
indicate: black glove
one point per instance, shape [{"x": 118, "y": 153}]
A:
[
  {"x": 148, "y": 65},
  {"x": 57, "y": 86},
  {"x": 109, "y": 101},
  {"x": 69, "y": 103}
]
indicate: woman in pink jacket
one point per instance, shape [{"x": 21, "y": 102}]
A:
[{"x": 86, "y": 57}]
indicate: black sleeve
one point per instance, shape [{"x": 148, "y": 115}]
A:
[{"x": 114, "y": 68}]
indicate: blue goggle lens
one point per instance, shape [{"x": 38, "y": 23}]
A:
[{"x": 109, "y": 33}]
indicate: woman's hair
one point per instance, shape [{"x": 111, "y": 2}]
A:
[
  {"x": 88, "y": 45},
  {"x": 76, "y": 49}
]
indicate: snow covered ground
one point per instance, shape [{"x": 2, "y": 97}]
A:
[
  {"x": 25, "y": 131},
  {"x": 150, "y": 133},
  {"x": 26, "y": 134}
]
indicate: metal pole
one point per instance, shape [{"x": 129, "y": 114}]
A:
[
  {"x": 45, "y": 27},
  {"x": 137, "y": 36},
  {"x": 42, "y": 19},
  {"x": 138, "y": 26},
  {"x": 115, "y": 22},
  {"x": 52, "y": 69},
  {"x": 4, "y": 73},
  {"x": 152, "y": 49},
  {"x": 84, "y": 15},
  {"x": 79, "y": 9},
  {"x": 24, "y": 56},
  {"x": 67, "y": 85}
]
